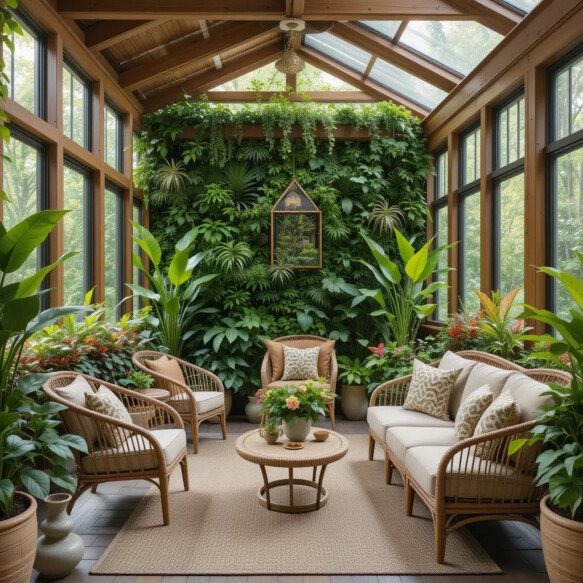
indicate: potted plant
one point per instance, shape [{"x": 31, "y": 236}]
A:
[
  {"x": 270, "y": 431},
  {"x": 296, "y": 407},
  {"x": 137, "y": 380},
  {"x": 29, "y": 439},
  {"x": 253, "y": 408},
  {"x": 354, "y": 375},
  {"x": 560, "y": 430}
]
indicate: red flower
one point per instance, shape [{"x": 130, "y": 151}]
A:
[
  {"x": 378, "y": 351},
  {"x": 259, "y": 393},
  {"x": 565, "y": 358}
]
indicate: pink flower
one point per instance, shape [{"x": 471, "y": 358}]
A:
[
  {"x": 565, "y": 358},
  {"x": 259, "y": 392},
  {"x": 517, "y": 326},
  {"x": 292, "y": 403},
  {"x": 302, "y": 388},
  {"x": 378, "y": 351}
]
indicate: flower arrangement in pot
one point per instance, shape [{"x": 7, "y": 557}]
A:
[
  {"x": 560, "y": 431},
  {"x": 270, "y": 431},
  {"x": 295, "y": 406}
]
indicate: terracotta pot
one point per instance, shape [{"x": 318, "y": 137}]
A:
[
  {"x": 271, "y": 438},
  {"x": 18, "y": 544},
  {"x": 354, "y": 402},
  {"x": 228, "y": 405},
  {"x": 562, "y": 545},
  {"x": 253, "y": 410}
]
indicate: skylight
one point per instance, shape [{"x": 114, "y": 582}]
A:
[
  {"x": 339, "y": 50},
  {"x": 524, "y": 5},
  {"x": 387, "y": 28}
]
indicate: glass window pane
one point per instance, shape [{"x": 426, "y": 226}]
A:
[
  {"x": 138, "y": 217},
  {"x": 568, "y": 192},
  {"x": 339, "y": 50},
  {"x": 386, "y": 28},
  {"x": 22, "y": 183},
  {"x": 568, "y": 91},
  {"x": 75, "y": 236},
  {"x": 441, "y": 175},
  {"x": 112, "y": 132},
  {"x": 470, "y": 250},
  {"x": 524, "y": 5},
  {"x": 510, "y": 133},
  {"x": 313, "y": 79},
  {"x": 459, "y": 45},
  {"x": 440, "y": 226},
  {"x": 23, "y": 69},
  {"x": 510, "y": 220},
  {"x": 406, "y": 84},
  {"x": 75, "y": 106},
  {"x": 266, "y": 78},
  {"x": 113, "y": 256},
  {"x": 470, "y": 157}
]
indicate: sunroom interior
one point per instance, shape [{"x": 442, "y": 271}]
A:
[{"x": 337, "y": 238}]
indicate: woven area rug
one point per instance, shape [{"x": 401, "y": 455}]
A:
[{"x": 219, "y": 528}]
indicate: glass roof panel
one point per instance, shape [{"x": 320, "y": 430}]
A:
[
  {"x": 406, "y": 84},
  {"x": 459, "y": 45},
  {"x": 266, "y": 78},
  {"x": 314, "y": 79},
  {"x": 339, "y": 50},
  {"x": 387, "y": 28},
  {"x": 524, "y": 5}
]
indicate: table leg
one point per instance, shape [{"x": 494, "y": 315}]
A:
[
  {"x": 266, "y": 484},
  {"x": 319, "y": 491},
  {"x": 291, "y": 486},
  {"x": 314, "y": 472}
]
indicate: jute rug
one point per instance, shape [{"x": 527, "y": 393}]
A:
[{"x": 219, "y": 528}]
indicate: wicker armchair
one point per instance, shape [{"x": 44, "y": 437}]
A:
[
  {"x": 188, "y": 399},
  {"x": 144, "y": 453},
  {"x": 500, "y": 487},
  {"x": 305, "y": 342}
]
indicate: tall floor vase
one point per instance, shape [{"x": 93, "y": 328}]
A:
[{"x": 59, "y": 550}]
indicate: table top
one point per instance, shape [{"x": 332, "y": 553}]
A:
[
  {"x": 253, "y": 448},
  {"x": 160, "y": 394}
]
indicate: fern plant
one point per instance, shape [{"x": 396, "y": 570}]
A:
[
  {"x": 232, "y": 255},
  {"x": 385, "y": 217}
]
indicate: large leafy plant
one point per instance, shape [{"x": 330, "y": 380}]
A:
[
  {"x": 402, "y": 297},
  {"x": 28, "y": 434},
  {"x": 560, "y": 428},
  {"x": 173, "y": 293}
]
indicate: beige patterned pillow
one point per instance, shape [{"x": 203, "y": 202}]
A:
[
  {"x": 503, "y": 412},
  {"x": 471, "y": 410},
  {"x": 106, "y": 402},
  {"x": 430, "y": 389},
  {"x": 300, "y": 363}
]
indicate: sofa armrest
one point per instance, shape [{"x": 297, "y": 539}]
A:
[{"x": 391, "y": 393}]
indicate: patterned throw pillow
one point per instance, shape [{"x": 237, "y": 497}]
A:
[
  {"x": 106, "y": 402},
  {"x": 470, "y": 412},
  {"x": 503, "y": 412},
  {"x": 430, "y": 389},
  {"x": 300, "y": 363}
]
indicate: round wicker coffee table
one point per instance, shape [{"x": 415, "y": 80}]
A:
[{"x": 253, "y": 448}]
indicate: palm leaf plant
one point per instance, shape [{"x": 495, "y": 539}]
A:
[
  {"x": 173, "y": 293},
  {"x": 385, "y": 217},
  {"x": 403, "y": 298}
]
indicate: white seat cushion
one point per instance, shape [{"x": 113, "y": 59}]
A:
[
  {"x": 528, "y": 393},
  {"x": 400, "y": 439},
  {"x": 205, "y": 401},
  {"x": 136, "y": 453},
  {"x": 422, "y": 463},
  {"x": 451, "y": 361},
  {"x": 380, "y": 418}
]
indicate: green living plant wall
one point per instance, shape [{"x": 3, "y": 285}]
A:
[{"x": 224, "y": 186}]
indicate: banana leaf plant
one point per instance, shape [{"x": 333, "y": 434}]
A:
[
  {"x": 560, "y": 427},
  {"x": 173, "y": 293},
  {"x": 28, "y": 428},
  {"x": 403, "y": 298}
]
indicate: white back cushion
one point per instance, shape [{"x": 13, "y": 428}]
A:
[
  {"x": 451, "y": 361},
  {"x": 528, "y": 394}
]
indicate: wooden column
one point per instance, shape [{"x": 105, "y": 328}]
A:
[
  {"x": 452, "y": 220},
  {"x": 98, "y": 98},
  {"x": 486, "y": 199}
]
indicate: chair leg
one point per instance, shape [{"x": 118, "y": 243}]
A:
[
  {"x": 388, "y": 469},
  {"x": 184, "y": 468},
  {"x": 371, "y": 444},
  {"x": 164, "y": 499},
  {"x": 332, "y": 413},
  {"x": 409, "y": 498},
  {"x": 81, "y": 487},
  {"x": 223, "y": 418},
  {"x": 94, "y": 488},
  {"x": 194, "y": 430},
  {"x": 440, "y": 536}
]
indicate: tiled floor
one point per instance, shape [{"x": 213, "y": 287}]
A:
[{"x": 514, "y": 546}]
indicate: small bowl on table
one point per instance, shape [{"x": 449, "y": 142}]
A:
[{"x": 321, "y": 435}]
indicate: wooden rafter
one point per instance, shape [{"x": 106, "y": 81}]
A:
[
  {"x": 494, "y": 15},
  {"x": 228, "y": 35},
  {"x": 106, "y": 33},
  {"x": 398, "y": 55},
  {"x": 344, "y": 73},
  {"x": 202, "y": 82}
]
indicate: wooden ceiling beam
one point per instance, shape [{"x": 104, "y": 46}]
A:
[
  {"x": 106, "y": 33},
  {"x": 263, "y": 10},
  {"x": 353, "y": 78},
  {"x": 398, "y": 55},
  {"x": 228, "y": 35},
  {"x": 496, "y": 16},
  {"x": 202, "y": 82}
]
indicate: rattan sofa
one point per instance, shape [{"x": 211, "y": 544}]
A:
[
  {"x": 151, "y": 453},
  {"x": 457, "y": 486},
  {"x": 202, "y": 397},
  {"x": 303, "y": 341}
]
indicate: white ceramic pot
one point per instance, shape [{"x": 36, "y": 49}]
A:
[
  {"x": 354, "y": 402},
  {"x": 298, "y": 429},
  {"x": 58, "y": 550},
  {"x": 253, "y": 410}
]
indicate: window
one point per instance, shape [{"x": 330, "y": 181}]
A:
[
  {"x": 26, "y": 186},
  {"x": 113, "y": 138},
  {"x": 339, "y": 50},
  {"x": 566, "y": 174},
  {"x": 114, "y": 252},
  {"x": 387, "y": 28},
  {"x": 469, "y": 219},
  {"x": 25, "y": 67},
  {"x": 77, "y": 198},
  {"x": 137, "y": 276},
  {"x": 440, "y": 228},
  {"x": 76, "y": 106},
  {"x": 508, "y": 188}
]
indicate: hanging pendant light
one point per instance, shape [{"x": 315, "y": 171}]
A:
[{"x": 290, "y": 63}]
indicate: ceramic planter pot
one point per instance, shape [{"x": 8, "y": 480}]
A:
[
  {"x": 18, "y": 544},
  {"x": 253, "y": 410},
  {"x": 562, "y": 545},
  {"x": 297, "y": 430},
  {"x": 354, "y": 402},
  {"x": 228, "y": 405},
  {"x": 271, "y": 438}
]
